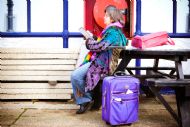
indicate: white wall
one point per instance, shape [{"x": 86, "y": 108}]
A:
[
  {"x": 157, "y": 12},
  {"x": 3, "y": 8},
  {"x": 47, "y": 15},
  {"x": 76, "y": 20},
  {"x": 182, "y": 13},
  {"x": 157, "y": 15},
  {"x": 42, "y": 21}
]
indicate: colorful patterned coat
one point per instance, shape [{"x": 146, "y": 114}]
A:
[{"x": 111, "y": 36}]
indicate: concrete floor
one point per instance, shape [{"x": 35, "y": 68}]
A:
[{"x": 62, "y": 114}]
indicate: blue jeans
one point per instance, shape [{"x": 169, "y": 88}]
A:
[{"x": 78, "y": 80}]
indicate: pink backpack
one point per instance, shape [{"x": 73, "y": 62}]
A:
[{"x": 152, "y": 40}]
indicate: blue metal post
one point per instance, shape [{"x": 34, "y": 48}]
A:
[
  {"x": 65, "y": 24},
  {"x": 138, "y": 17},
  {"x": 10, "y": 15},
  {"x": 138, "y": 30},
  {"x": 174, "y": 15},
  {"x": 189, "y": 18},
  {"x": 28, "y": 16}
]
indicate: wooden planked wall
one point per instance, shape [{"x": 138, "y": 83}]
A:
[{"x": 36, "y": 73}]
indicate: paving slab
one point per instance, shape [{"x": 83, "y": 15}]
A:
[
  {"x": 68, "y": 118},
  {"x": 151, "y": 114},
  {"x": 8, "y": 117}
]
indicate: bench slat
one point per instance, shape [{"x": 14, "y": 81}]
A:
[
  {"x": 38, "y": 56},
  {"x": 39, "y": 50},
  {"x": 31, "y": 91},
  {"x": 39, "y": 67},
  {"x": 35, "y": 78},
  {"x": 35, "y": 86},
  {"x": 150, "y": 68},
  {"x": 37, "y": 73},
  {"x": 35, "y": 96},
  {"x": 168, "y": 82},
  {"x": 37, "y": 62}
]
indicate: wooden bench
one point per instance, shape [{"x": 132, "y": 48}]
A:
[
  {"x": 172, "y": 83},
  {"x": 129, "y": 69},
  {"x": 181, "y": 87},
  {"x": 162, "y": 82},
  {"x": 36, "y": 73}
]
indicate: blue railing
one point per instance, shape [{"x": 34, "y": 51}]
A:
[
  {"x": 65, "y": 34},
  {"x": 28, "y": 16}
]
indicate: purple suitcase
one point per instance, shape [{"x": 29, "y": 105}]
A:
[{"x": 120, "y": 100}]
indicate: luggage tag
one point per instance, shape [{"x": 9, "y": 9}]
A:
[
  {"x": 118, "y": 99},
  {"x": 129, "y": 91}
]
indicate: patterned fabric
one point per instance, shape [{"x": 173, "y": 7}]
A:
[
  {"x": 111, "y": 36},
  {"x": 91, "y": 55},
  {"x": 114, "y": 60}
]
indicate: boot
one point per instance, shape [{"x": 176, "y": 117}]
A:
[{"x": 83, "y": 108}]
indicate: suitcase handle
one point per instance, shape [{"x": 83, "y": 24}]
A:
[{"x": 121, "y": 74}]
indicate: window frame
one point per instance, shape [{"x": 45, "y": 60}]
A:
[
  {"x": 66, "y": 34},
  {"x": 174, "y": 34}
]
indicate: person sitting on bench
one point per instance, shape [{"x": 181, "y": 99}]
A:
[{"x": 86, "y": 77}]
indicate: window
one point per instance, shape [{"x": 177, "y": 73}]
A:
[
  {"x": 46, "y": 15},
  {"x": 157, "y": 15},
  {"x": 183, "y": 18},
  {"x": 166, "y": 15}
]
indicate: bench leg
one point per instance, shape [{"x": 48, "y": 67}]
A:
[
  {"x": 147, "y": 91},
  {"x": 163, "y": 101},
  {"x": 183, "y": 104}
]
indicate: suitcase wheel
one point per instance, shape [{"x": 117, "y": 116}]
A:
[{"x": 107, "y": 123}]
